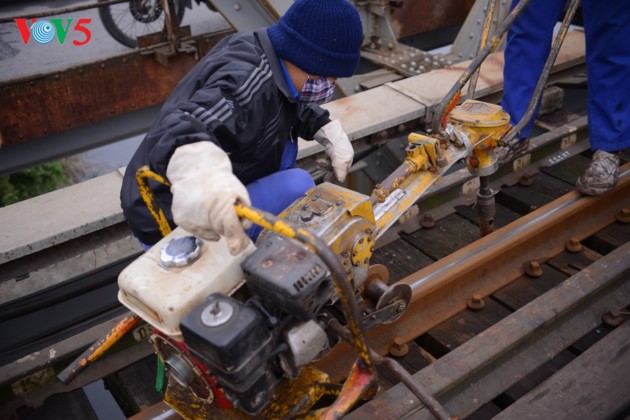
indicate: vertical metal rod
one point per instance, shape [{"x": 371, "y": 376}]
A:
[
  {"x": 487, "y": 22},
  {"x": 171, "y": 24},
  {"x": 485, "y": 206},
  {"x": 418, "y": 390}
]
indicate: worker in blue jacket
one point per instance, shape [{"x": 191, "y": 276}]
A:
[
  {"x": 228, "y": 132},
  {"x": 607, "y": 32}
]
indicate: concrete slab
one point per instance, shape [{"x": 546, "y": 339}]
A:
[{"x": 50, "y": 219}]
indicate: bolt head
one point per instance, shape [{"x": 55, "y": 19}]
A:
[{"x": 476, "y": 302}]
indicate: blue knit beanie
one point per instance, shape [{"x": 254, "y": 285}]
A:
[{"x": 321, "y": 37}]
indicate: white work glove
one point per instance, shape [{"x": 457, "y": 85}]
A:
[
  {"x": 204, "y": 193},
  {"x": 338, "y": 148}
]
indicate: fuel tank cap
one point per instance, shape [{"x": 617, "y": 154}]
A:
[{"x": 180, "y": 252}]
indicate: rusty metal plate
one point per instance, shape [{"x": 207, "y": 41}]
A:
[
  {"x": 44, "y": 104},
  {"x": 419, "y": 16}
]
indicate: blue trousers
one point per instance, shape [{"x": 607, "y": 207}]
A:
[
  {"x": 274, "y": 193},
  {"x": 607, "y": 32}
]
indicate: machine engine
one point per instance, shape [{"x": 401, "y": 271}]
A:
[{"x": 231, "y": 328}]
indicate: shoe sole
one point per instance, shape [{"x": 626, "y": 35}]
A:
[{"x": 593, "y": 190}]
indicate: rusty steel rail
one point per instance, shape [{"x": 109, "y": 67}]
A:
[
  {"x": 442, "y": 289},
  {"x": 482, "y": 368}
]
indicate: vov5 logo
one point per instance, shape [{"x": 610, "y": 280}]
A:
[{"x": 43, "y": 31}]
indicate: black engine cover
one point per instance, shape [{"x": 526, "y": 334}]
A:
[
  {"x": 288, "y": 276},
  {"x": 231, "y": 338}
]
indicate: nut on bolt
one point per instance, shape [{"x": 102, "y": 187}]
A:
[
  {"x": 533, "y": 269},
  {"x": 612, "y": 318},
  {"x": 427, "y": 222},
  {"x": 526, "y": 180},
  {"x": 574, "y": 245},
  {"x": 398, "y": 347},
  {"x": 476, "y": 302},
  {"x": 623, "y": 216}
]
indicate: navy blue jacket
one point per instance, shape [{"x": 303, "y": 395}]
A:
[{"x": 236, "y": 97}]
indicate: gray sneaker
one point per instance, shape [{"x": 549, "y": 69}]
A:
[
  {"x": 515, "y": 147},
  {"x": 601, "y": 175}
]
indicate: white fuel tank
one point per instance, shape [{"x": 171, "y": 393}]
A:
[{"x": 175, "y": 275}]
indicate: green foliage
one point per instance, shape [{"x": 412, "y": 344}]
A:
[{"x": 31, "y": 182}]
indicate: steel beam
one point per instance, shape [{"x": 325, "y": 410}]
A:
[
  {"x": 44, "y": 104},
  {"x": 411, "y": 18}
]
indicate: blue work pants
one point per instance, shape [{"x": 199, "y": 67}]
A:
[
  {"x": 607, "y": 32},
  {"x": 274, "y": 193}
]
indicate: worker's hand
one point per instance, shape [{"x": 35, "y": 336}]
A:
[
  {"x": 338, "y": 148},
  {"x": 204, "y": 193}
]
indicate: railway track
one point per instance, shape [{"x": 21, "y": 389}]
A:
[
  {"x": 524, "y": 322},
  {"x": 477, "y": 362},
  {"x": 520, "y": 323},
  {"x": 494, "y": 322}
]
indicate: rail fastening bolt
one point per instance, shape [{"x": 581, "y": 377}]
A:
[
  {"x": 476, "y": 302},
  {"x": 526, "y": 180},
  {"x": 533, "y": 269},
  {"x": 398, "y": 347},
  {"x": 612, "y": 318},
  {"x": 623, "y": 216},
  {"x": 574, "y": 245},
  {"x": 427, "y": 222}
]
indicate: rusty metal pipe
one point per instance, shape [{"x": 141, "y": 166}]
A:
[
  {"x": 418, "y": 390},
  {"x": 96, "y": 350},
  {"x": 171, "y": 24}
]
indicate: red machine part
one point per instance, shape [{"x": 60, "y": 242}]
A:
[{"x": 204, "y": 386}]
